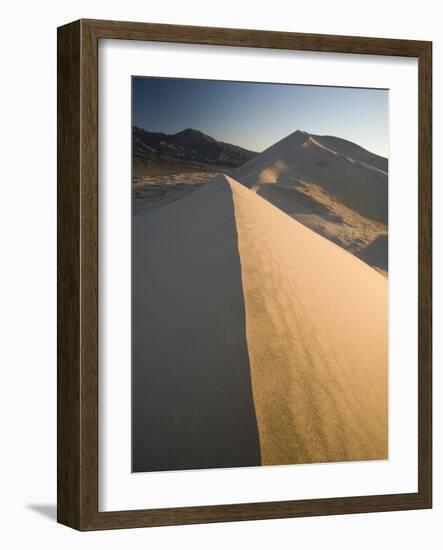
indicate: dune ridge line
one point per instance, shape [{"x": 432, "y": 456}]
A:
[{"x": 316, "y": 328}]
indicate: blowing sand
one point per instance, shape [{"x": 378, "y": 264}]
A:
[{"x": 332, "y": 186}]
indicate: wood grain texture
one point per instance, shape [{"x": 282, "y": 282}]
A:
[
  {"x": 68, "y": 275},
  {"x": 425, "y": 274},
  {"x": 78, "y": 269},
  {"x": 253, "y": 38}
]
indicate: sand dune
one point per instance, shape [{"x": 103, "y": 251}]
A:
[
  {"x": 316, "y": 325},
  {"x": 352, "y": 150},
  {"x": 332, "y": 186},
  {"x": 192, "y": 398},
  {"x": 255, "y": 340},
  {"x": 150, "y": 192}
]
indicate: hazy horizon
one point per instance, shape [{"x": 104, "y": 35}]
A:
[{"x": 256, "y": 115}]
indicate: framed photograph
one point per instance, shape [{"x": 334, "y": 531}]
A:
[{"x": 244, "y": 275}]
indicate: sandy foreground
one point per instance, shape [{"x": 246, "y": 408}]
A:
[{"x": 255, "y": 340}]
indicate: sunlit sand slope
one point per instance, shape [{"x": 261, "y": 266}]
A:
[{"x": 316, "y": 329}]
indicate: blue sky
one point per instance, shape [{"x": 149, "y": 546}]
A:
[{"x": 255, "y": 115}]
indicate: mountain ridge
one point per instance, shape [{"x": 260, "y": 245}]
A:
[{"x": 187, "y": 150}]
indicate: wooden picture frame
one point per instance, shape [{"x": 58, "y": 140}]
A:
[{"x": 78, "y": 274}]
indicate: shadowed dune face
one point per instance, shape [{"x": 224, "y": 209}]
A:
[
  {"x": 192, "y": 398},
  {"x": 373, "y": 253},
  {"x": 332, "y": 186},
  {"x": 316, "y": 325}
]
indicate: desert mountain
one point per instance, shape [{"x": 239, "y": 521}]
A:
[
  {"x": 285, "y": 360},
  {"x": 333, "y": 186},
  {"x": 189, "y": 150}
]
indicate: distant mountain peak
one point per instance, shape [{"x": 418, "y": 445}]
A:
[
  {"x": 189, "y": 146},
  {"x": 193, "y": 135},
  {"x": 190, "y": 131}
]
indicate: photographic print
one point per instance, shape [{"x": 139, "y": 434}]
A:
[{"x": 259, "y": 274}]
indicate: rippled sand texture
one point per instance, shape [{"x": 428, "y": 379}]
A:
[
  {"x": 255, "y": 340},
  {"x": 316, "y": 328}
]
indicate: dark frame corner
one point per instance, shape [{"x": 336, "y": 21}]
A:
[{"x": 77, "y": 480}]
